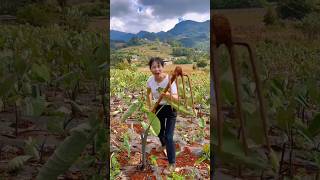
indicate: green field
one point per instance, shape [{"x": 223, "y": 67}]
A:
[
  {"x": 289, "y": 68},
  {"x": 53, "y": 120}
]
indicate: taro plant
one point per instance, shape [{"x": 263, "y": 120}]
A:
[
  {"x": 31, "y": 152},
  {"x": 21, "y": 86},
  {"x": 115, "y": 166},
  {"x": 126, "y": 143},
  {"x": 70, "y": 149},
  {"x": 153, "y": 123},
  {"x": 205, "y": 154}
]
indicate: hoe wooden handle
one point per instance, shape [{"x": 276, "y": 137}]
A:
[{"x": 177, "y": 72}]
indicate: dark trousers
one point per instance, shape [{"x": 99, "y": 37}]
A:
[{"x": 167, "y": 117}]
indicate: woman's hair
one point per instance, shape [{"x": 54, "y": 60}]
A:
[{"x": 156, "y": 59}]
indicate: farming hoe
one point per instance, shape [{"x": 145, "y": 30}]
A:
[
  {"x": 221, "y": 35},
  {"x": 173, "y": 78}
]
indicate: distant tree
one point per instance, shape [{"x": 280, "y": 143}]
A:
[
  {"x": 270, "y": 17},
  {"x": 294, "y": 9},
  {"x": 228, "y": 4},
  {"x": 181, "y": 51},
  {"x": 174, "y": 43},
  {"x": 36, "y": 14},
  {"x": 182, "y": 61},
  {"x": 310, "y": 25},
  {"x": 117, "y": 57},
  {"x": 135, "y": 41},
  {"x": 62, "y": 3},
  {"x": 202, "y": 63},
  {"x": 38, "y": 1}
]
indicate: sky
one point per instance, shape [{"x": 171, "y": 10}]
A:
[{"x": 155, "y": 15}]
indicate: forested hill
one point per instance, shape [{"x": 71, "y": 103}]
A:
[{"x": 232, "y": 4}]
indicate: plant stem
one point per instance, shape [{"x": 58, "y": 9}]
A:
[
  {"x": 282, "y": 156},
  {"x": 66, "y": 123},
  {"x": 4, "y": 104},
  {"x": 17, "y": 117},
  {"x": 105, "y": 90},
  {"x": 303, "y": 119},
  {"x": 41, "y": 150},
  {"x": 144, "y": 142},
  {"x": 93, "y": 147},
  {"x": 291, "y": 152}
]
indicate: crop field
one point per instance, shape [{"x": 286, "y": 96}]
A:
[
  {"x": 52, "y": 103},
  {"x": 288, "y": 65},
  {"x": 191, "y": 133}
]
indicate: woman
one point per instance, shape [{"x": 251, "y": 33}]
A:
[{"x": 167, "y": 115}]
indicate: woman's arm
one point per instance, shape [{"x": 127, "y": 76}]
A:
[{"x": 173, "y": 92}]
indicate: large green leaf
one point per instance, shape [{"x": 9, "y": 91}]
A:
[
  {"x": 34, "y": 106},
  {"x": 114, "y": 167},
  {"x": 314, "y": 127},
  {"x": 249, "y": 107},
  {"x": 126, "y": 143},
  {"x": 274, "y": 160},
  {"x": 253, "y": 160},
  {"x": 41, "y": 72},
  {"x": 26, "y": 88},
  {"x": 302, "y": 101},
  {"x": 180, "y": 108},
  {"x": 133, "y": 108},
  {"x": 84, "y": 163},
  {"x": 20, "y": 66},
  {"x": 316, "y": 156},
  {"x": 69, "y": 150},
  {"x": 18, "y": 162},
  {"x": 101, "y": 137},
  {"x": 254, "y": 127},
  {"x": 227, "y": 87},
  {"x": 31, "y": 148},
  {"x": 232, "y": 151},
  {"x": 55, "y": 125},
  {"x": 313, "y": 89},
  {"x": 202, "y": 123},
  {"x": 154, "y": 122},
  {"x": 145, "y": 127},
  {"x": 303, "y": 131},
  {"x": 69, "y": 79},
  {"x": 285, "y": 118},
  {"x": 6, "y": 85}
]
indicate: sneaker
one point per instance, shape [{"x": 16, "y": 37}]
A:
[{"x": 169, "y": 169}]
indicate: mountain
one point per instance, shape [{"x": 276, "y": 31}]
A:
[
  {"x": 188, "y": 33},
  {"x": 120, "y": 36},
  {"x": 189, "y": 26}
]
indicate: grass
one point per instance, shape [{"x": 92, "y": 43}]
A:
[
  {"x": 187, "y": 68},
  {"x": 243, "y": 17},
  {"x": 151, "y": 50},
  {"x": 98, "y": 24},
  {"x": 248, "y": 24}
]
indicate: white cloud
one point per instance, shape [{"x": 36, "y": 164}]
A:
[
  {"x": 117, "y": 24},
  {"x": 196, "y": 16},
  {"x": 138, "y": 15},
  {"x": 164, "y": 25}
]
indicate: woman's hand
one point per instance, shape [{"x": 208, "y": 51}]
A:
[
  {"x": 165, "y": 95},
  {"x": 168, "y": 95}
]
